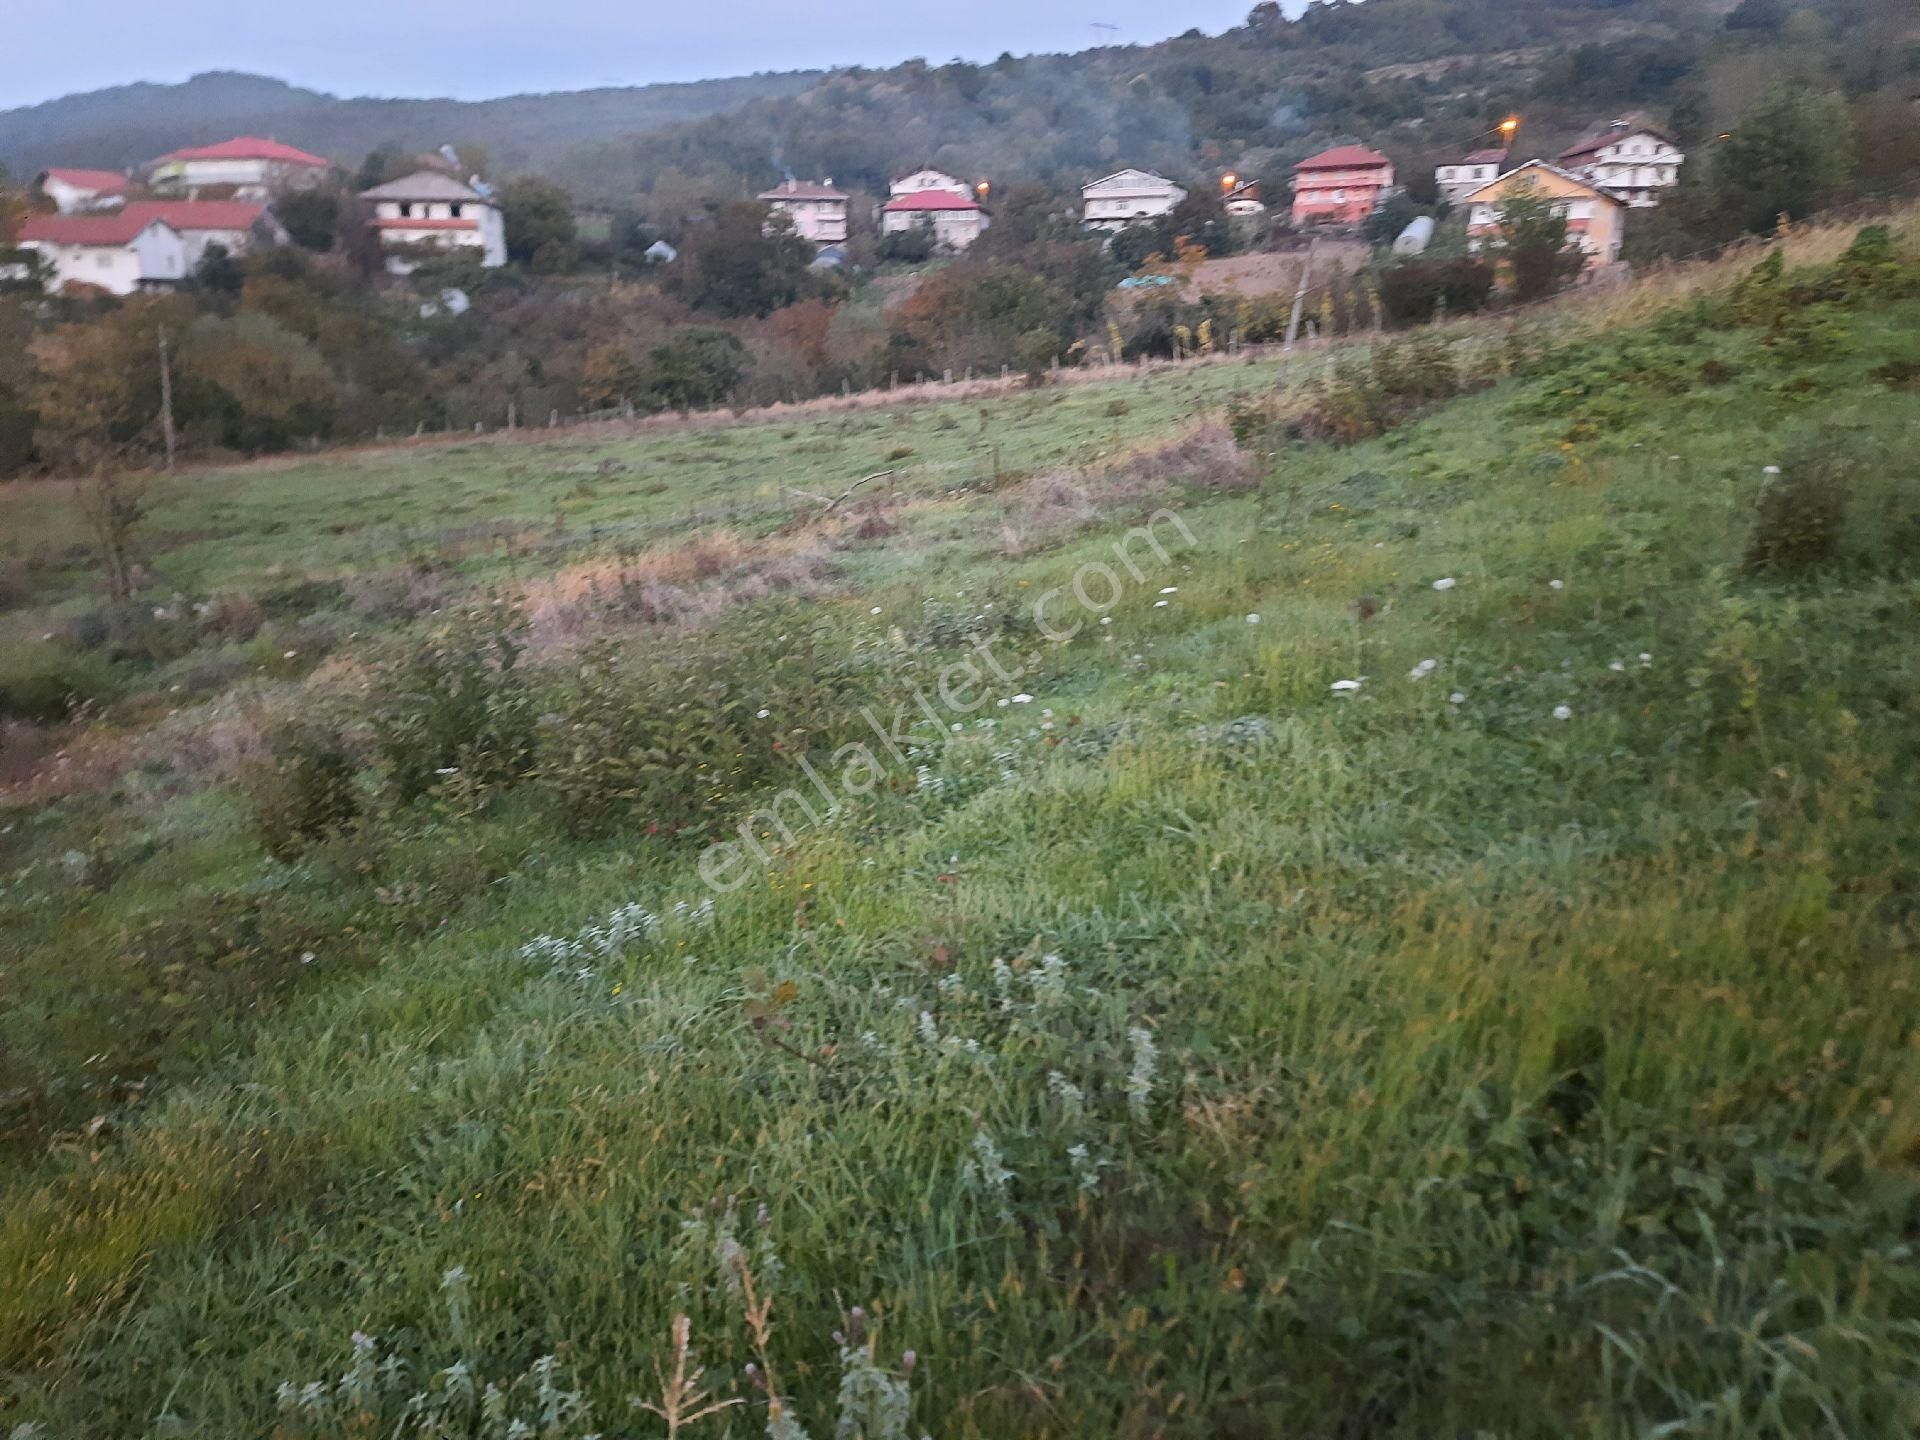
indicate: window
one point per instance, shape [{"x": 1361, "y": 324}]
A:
[
  {"x": 453, "y": 211},
  {"x": 406, "y": 208}
]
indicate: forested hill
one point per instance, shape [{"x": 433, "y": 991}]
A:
[
  {"x": 1421, "y": 79},
  {"x": 128, "y": 124}
]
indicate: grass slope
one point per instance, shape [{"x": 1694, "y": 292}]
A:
[{"x": 1521, "y": 1043}]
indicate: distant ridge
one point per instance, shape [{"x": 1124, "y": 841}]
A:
[{"x": 127, "y": 124}]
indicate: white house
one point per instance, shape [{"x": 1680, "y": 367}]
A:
[
  {"x": 1628, "y": 158},
  {"x": 76, "y": 191},
  {"x": 114, "y": 252},
  {"x": 234, "y": 225},
  {"x": 818, "y": 212},
  {"x": 246, "y": 167},
  {"x": 1120, "y": 199},
  {"x": 955, "y": 220},
  {"x": 1243, "y": 199},
  {"x": 1468, "y": 174},
  {"x": 921, "y": 181},
  {"x": 429, "y": 210}
]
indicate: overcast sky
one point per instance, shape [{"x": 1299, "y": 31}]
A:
[{"x": 479, "y": 48}]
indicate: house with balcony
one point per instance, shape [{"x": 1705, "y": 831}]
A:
[
  {"x": 1630, "y": 159},
  {"x": 1127, "y": 197},
  {"x": 1468, "y": 174},
  {"x": 818, "y": 211},
  {"x": 113, "y": 252},
  {"x": 430, "y": 210},
  {"x": 921, "y": 181},
  {"x": 1596, "y": 218},
  {"x": 955, "y": 220},
  {"x": 246, "y": 167},
  {"x": 1341, "y": 186}
]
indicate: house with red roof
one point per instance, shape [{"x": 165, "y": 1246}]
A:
[
  {"x": 1341, "y": 186},
  {"x": 956, "y": 220},
  {"x": 237, "y": 226},
  {"x": 246, "y": 167},
  {"x": 430, "y": 210},
  {"x": 74, "y": 191},
  {"x": 114, "y": 252},
  {"x": 818, "y": 211}
]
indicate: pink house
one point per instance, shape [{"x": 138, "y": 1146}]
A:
[{"x": 1342, "y": 186}]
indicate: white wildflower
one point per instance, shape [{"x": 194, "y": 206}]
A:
[
  {"x": 1446, "y": 583},
  {"x": 1556, "y": 584},
  {"x": 1023, "y": 698},
  {"x": 1253, "y": 619},
  {"x": 1563, "y": 712},
  {"x": 1086, "y": 1169},
  {"x": 1423, "y": 669},
  {"x": 1347, "y": 687},
  {"x": 1458, "y": 697}
]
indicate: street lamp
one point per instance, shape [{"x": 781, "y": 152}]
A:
[{"x": 1229, "y": 180}]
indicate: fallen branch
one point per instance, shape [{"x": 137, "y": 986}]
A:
[{"x": 843, "y": 496}]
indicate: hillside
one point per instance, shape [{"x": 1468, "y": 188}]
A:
[
  {"x": 1423, "y": 78},
  {"x": 129, "y": 124},
  {"x": 1363, "y": 896}
]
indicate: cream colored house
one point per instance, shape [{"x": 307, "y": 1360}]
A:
[
  {"x": 1127, "y": 196},
  {"x": 955, "y": 220},
  {"x": 1630, "y": 159},
  {"x": 430, "y": 210},
  {"x": 245, "y": 168},
  {"x": 114, "y": 252},
  {"x": 818, "y": 212},
  {"x": 1596, "y": 218}
]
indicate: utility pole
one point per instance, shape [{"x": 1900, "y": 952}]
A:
[
  {"x": 1299, "y": 304},
  {"x": 166, "y": 399}
]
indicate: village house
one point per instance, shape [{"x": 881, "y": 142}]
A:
[
  {"x": 114, "y": 252},
  {"x": 921, "y": 181},
  {"x": 1596, "y": 218},
  {"x": 1629, "y": 158},
  {"x": 78, "y": 191},
  {"x": 1468, "y": 174},
  {"x": 430, "y": 210},
  {"x": 234, "y": 225},
  {"x": 244, "y": 168},
  {"x": 818, "y": 212},
  {"x": 955, "y": 220},
  {"x": 1244, "y": 199},
  {"x": 1128, "y": 196},
  {"x": 1342, "y": 186}
]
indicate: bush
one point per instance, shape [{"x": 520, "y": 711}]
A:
[
  {"x": 459, "y": 703},
  {"x": 1800, "y": 512},
  {"x": 304, "y": 791},
  {"x": 47, "y": 684},
  {"x": 1414, "y": 292}
]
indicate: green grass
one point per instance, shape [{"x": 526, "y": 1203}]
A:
[{"x": 1513, "y": 1075}]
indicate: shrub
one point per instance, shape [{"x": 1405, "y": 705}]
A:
[
  {"x": 47, "y": 684},
  {"x": 1800, "y": 512},
  {"x": 1415, "y": 291},
  {"x": 304, "y": 791},
  {"x": 459, "y": 703}
]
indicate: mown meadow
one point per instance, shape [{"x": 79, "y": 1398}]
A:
[{"x": 1420, "y": 943}]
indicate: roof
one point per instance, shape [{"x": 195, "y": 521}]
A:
[
  {"x": 417, "y": 222},
  {"x": 930, "y": 200},
  {"x": 1566, "y": 175},
  {"x": 250, "y": 147},
  {"x": 1483, "y": 157},
  {"x": 423, "y": 185},
  {"x": 198, "y": 214},
  {"x": 101, "y": 182},
  {"x": 1611, "y": 134},
  {"x": 1138, "y": 178},
  {"x": 1344, "y": 157},
  {"x": 115, "y": 228},
  {"x": 802, "y": 190}
]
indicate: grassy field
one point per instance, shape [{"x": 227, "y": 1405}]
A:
[{"x": 1401, "y": 938}]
